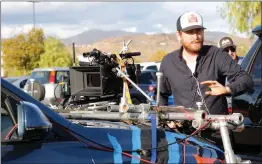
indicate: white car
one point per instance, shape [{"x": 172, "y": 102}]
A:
[{"x": 149, "y": 66}]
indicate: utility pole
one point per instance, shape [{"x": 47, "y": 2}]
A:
[{"x": 33, "y": 1}]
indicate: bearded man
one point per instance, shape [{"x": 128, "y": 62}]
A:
[{"x": 197, "y": 72}]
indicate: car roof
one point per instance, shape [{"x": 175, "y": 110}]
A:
[
  {"x": 149, "y": 70},
  {"x": 52, "y": 69},
  {"x": 147, "y": 63}
]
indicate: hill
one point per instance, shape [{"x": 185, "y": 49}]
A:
[{"x": 112, "y": 41}]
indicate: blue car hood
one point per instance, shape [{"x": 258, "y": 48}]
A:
[{"x": 123, "y": 137}]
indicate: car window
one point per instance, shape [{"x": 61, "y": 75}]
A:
[
  {"x": 59, "y": 75},
  {"x": 147, "y": 77},
  {"x": 153, "y": 67},
  {"x": 8, "y": 115},
  {"x": 256, "y": 69},
  {"x": 22, "y": 83},
  {"x": 250, "y": 53},
  {"x": 41, "y": 76},
  {"x": 255, "y": 110}
]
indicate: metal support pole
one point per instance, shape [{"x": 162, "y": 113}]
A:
[
  {"x": 34, "y": 13},
  {"x": 33, "y": 1},
  {"x": 229, "y": 153},
  {"x": 125, "y": 76},
  {"x": 32, "y": 81},
  {"x": 159, "y": 81}
]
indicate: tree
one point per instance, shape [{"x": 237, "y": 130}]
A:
[
  {"x": 22, "y": 52},
  {"x": 56, "y": 54},
  {"x": 242, "y": 50},
  {"x": 243, "y": 16},
  {"x": 158, "y": 56}
]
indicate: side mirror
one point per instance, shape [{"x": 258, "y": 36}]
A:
[{"x": 32, "y": 123}]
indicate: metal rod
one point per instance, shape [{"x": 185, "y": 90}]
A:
[
  {"x": 32, "y": 81},
  {"x": 114, "y": 116},
  {"x": 33, "y": 1},
  {"x": 34, "y": 13},
  {"x": 131, "y": 108},
  {"x": 74, "y": 54},
  {"x": 235, "y": 117},
  {"x": 199, "y": 115},
  {"x": 124, "y": 48},
  {"x": 119, "y": 71},
  {"x": 229, "y": 153},
  {"x": 111, "y": 116},
  {"x": 159, "y": 81}
]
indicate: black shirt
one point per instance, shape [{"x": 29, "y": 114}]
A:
[{"x": 212, "y": 64}]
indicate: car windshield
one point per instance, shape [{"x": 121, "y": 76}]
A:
[
  {"x": 246, "y": 59},
  {"x": 41, "y": 76}
]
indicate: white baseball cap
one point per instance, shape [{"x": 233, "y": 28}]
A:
[{"x": 189, "y": 21}]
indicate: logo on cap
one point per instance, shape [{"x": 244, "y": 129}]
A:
[
  {"x": 192, "y": 18},
  {"x": 225, "y": 42}
]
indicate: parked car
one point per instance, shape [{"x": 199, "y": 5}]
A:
[
  {"x": 18, "y": 81},
  {"x": 250, "y": 103},
  {"x": 147, "y": 78},
  {"x": 33, "y": 133},
  {"x": 152, "y": 94},
  {"x": 240, "y": 59},
  {"x": 149, "y": 66},
  {"x": 49, "y": 78}
]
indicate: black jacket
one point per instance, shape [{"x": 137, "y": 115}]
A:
[{"x": 212, "y": 64}]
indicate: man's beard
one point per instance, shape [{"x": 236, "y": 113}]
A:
[{"x": 193, "y": 47}]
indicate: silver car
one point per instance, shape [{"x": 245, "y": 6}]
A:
[
  {"x": 18, "y": 81},
  {"x": 50, "y": 78}
]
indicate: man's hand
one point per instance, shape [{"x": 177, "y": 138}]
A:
[{"x": 216, "y": 88}]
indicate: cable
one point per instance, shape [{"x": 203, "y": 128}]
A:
[
  {"x": 11, "y": 131},
  {"x": 200, "y": 128},
  {"x": 200, "y": 94}
]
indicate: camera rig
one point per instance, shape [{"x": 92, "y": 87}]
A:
[
  {"x": 95, "y": 79},
  {"x": 155, "y": 114},
  {"x": 104, "y": 78}
]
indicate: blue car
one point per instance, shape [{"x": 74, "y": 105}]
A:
[
  {"x": 33, "y": 133},
  {"x": 152, "y": 92}
]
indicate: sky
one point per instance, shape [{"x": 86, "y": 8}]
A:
[{"x": 66, "y": 19}]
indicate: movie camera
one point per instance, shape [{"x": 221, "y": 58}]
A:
[{"x": 102, "y": 76}]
